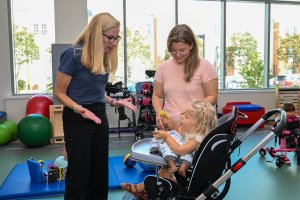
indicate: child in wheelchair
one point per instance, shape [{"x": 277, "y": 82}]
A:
[
  {"x": 196, "y": 122},
  {"x": 288, "y": 138}
]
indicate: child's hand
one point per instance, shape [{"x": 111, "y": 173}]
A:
[
  {"x": 159, "y": 134},
  {"x": 164, "y": 122},
  {"x": 159, "y": 123},
  {"x": 160, "y": 118}
]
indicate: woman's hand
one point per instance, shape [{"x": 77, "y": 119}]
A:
[
  {"x": 87, "y": 114},
  {"x": 126, "y": 103},
  {"x": 159, "y": 134}
]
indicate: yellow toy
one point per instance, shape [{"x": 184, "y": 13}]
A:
[{"x": 163, "y": 114}]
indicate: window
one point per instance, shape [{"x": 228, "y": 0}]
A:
[
  {"x": 204, "y": 17},
  {"x": 146, "y": 35},
  {"x": 147, "y": 31},
  {"x": 35, "y": 29},
  {"x": 285, "y": 45},
  {"x": 254, "y": 59},
  {"x": 244, "y": 45},
  {"x": 44, "y": 29},
  {"x": 32, "y": 55}
]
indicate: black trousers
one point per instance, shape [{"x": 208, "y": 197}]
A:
[{"x": 87, "y": 149}]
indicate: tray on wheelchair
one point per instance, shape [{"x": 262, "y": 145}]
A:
[{"x": 140, "y": 151}]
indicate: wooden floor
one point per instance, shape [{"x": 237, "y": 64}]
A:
[{"x": 260, "y": 179}]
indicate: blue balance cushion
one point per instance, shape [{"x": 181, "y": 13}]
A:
[{"x": 248, "y": 107}]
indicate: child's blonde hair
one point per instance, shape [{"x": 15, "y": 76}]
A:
[{"x": 205, "y": 117}]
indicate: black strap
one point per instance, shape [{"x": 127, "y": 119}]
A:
[{"x": 227, "y": 183}]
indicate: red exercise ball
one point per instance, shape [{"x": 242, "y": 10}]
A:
[{"x": 39, "y": 104}]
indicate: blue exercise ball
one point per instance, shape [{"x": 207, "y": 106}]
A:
[
  {"x": 128, "y": 162},
  {"x": 34, "y": 130},
  {"x": 147, "y": 167}
]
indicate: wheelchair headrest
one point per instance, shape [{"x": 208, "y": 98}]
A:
[
  {"x": 114, "y": 88},
  {"x": 229, "y": 116},
  {"x": 226, "y": 123},
  {"x": 140, "y": 86},
  {"x": 150, "y": 73},
  {"x": 147, "y": 89}
]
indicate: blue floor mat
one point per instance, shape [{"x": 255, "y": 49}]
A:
[
  {"x": 127, "y": 175},
  {"x": 18, "y": 184}
]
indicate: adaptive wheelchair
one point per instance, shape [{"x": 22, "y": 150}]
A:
[
  {"x": 289, "y": 141},
  {"x": 211, "y": 165},
  {"x": 122, "y": 92},
  {"x": 146, "y": 115}
]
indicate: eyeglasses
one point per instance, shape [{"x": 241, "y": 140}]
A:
[{"x": 111, "y": 39}]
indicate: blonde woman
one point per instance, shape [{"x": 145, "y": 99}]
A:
[{"x": 80, "y": 85}]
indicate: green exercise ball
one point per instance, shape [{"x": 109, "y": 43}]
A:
[
  {"x": 12, "y": 127},
  {"x": 34, "y": 130},
  {"x": 5, "y": 134}
]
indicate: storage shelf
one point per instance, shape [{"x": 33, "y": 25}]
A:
[
  {"x": 56, "y": 120},
  {"x": 288, "y": 95}
]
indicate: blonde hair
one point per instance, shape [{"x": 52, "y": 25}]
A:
[
  {"x": 205, "y": 117},
  {"x": 93, "y": 55},
  {"x": 183, "y": 33}
]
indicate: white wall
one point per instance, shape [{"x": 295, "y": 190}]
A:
[
  {"x": 68, "y": 24},
  {"x": 70, "y": 18},
  {"x": 5, "y": 70}
]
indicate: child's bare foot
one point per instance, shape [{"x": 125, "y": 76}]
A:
[
  {"x": 181, "y": 172},
  {"x": 182, "y": 169},
  {"x": 172, "y": 166},
  {"x": 138, "y": 190}
]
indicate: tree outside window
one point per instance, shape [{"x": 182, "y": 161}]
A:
[
  {"x": 26, "y": 51},
  {"x": 244, "y": 57}
]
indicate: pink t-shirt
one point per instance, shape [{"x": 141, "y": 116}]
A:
[{"x": 178, "y": 94}]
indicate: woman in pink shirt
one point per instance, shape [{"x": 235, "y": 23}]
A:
[{"x": 183, "y": 78}]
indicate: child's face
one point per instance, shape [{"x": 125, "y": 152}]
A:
[
  {"x": 187, "y": 122},
  {"x": 290, "y": 113}
]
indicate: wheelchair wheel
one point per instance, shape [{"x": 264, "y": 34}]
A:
[
  {"x": 262, "y": 152},
  {"x": 279, "y": 162},
  {"x": 139, "y": 136}
]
